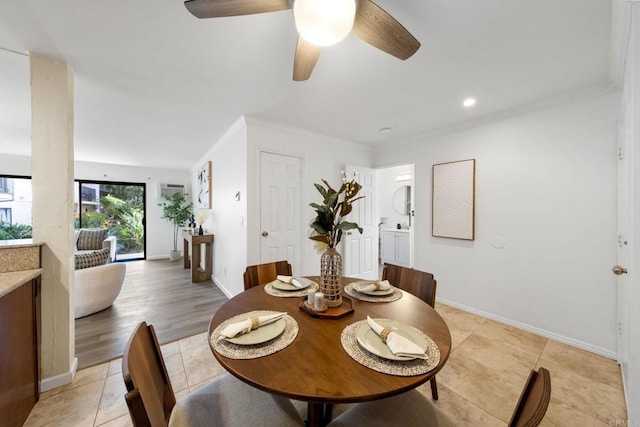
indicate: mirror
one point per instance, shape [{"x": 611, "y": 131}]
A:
[{"x": 402, "y": 200}]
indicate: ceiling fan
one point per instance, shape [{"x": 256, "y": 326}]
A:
[{"x": 321, "y": 23}]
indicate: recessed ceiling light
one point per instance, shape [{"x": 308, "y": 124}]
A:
[
  {"x": 469, "y": 102},
  {"x": 384, "y": 130}
]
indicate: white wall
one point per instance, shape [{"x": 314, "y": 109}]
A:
[
  {"x": 11, "y": 164},
  {"x": 322, "y": 157},
  {"x": 546, "y": 186},
  {"x": 227, "y": 221}
]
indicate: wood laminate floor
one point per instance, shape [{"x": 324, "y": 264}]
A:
[{"x": 158, "y": 292}]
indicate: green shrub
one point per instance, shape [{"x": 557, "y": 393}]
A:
[{"x": 14, "y": 231}]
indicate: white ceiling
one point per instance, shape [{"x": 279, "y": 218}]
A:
[{"x": 155, "y": 86}]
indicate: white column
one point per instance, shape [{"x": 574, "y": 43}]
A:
[{"x": 52, "y": 180}]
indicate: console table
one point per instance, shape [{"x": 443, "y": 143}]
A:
[{"x": 195, "y": 241}]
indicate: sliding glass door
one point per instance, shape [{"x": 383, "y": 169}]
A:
[{"x": 118, "y": 206}]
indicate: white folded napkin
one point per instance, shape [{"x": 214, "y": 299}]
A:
[
  {"x": 290, "y": 280},
  {"x": 375, "y": 286},
  {"x": 399, "y": 345},
  {"x": 245, "y": 326}
]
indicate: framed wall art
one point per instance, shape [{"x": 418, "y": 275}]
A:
[
  {"x": 203, "y": 190},
  {"x": 453, "y": 200}
]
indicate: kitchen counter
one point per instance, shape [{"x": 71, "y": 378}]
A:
[
  {"x": 19, "y": 255},
  {"x": 14, "y": 279}
]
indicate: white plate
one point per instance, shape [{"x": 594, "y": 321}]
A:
[
  {"x": 262, "y": 334},
  {"x": 372, "y": 342},
  {"x": 363, "y": 284},
  {"x": 284, "y": 286}
]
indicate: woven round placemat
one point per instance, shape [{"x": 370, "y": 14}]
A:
[
  {"x": 273, "y": 291},
  {"x": 235, "y": 351},
  {"x": 406, "y": 368},
  {"x": 396, "y": 295}
]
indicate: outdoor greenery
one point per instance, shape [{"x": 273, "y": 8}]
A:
[
  {"x": 121, "y": 213},
  {"x": 178, "y": 212},
  {"x": 14, "y": 231}
]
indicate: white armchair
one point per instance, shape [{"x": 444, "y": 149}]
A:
[{"x": 96, "y": 288}]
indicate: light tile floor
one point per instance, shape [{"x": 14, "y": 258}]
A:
[{"x": 479, "y": 385}]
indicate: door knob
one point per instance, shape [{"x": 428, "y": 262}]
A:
[
  {"x": 618, "y": 270},
  {"x": 265, "y": 233}
]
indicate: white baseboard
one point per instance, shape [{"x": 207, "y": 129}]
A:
[
  {"x": 623, "y": 372},
  {"x": 61, "y": 379},
  {"x": 157, "y": 257},
  {"x": 222, "y": 288},
  {"x": 547, "y": 334}
]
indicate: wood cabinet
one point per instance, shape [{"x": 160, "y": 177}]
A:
[
  {"x": 396, "y": 247},
  {"x": 19, "y": 352}
]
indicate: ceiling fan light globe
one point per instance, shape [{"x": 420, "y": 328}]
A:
[{"x": 324, "y": 22}]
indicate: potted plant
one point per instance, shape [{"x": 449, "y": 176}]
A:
[
  {"x": 178, "y": 212},
  {"x": 327, "y": 229}
]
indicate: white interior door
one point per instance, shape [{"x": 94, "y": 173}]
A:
[
  {"x": 361, "y": 250},
  {"x": 280, "y": 223},
  {"x": 624, "y": 236}
]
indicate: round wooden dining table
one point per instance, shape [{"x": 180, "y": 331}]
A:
[{"x": 315, "y": 368}]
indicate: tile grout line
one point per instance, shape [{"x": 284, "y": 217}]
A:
[
  {"x": 535, "y": 364},
  {"x": 104, "y": 383},
  {"x": 477, "y": 406},
  {"x": 468, "y": 336}
]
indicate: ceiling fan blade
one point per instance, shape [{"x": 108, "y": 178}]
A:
[
  {"x": 220, "y": 8},
  {"x": 306, "y": 57},
  {"x": 379, "y": 29}
]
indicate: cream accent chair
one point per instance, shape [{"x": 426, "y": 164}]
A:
[
  {"x": 92, "y": 239},
  {"x": 96, "y": 288}
]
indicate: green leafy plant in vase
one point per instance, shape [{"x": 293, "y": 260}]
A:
[
  {"x": 327, "y": 229},
  {"x": 177, "y": 211}
]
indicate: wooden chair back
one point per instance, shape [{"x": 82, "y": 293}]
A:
[
  {"x": 261, "y": 274},
  {"x": 150, "y": 397},
  {"x": 533, "y": 401},
  {"x": 416, "y": 282}
]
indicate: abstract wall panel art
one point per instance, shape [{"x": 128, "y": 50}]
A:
[{"x": 453, "y": 200}]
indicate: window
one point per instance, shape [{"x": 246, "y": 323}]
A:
[
  {"x": 15, "y": 207},
  {"x": 6, "y": 189},
  {"x": 88, "y": 194},
  {"x": 5, "y": 215}
]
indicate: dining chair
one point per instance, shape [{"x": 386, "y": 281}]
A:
[
  {"x": 226, "y": 401},
  {"x": 417, "y": 283},
  {"x": 414, "y": 409},
  {"x": 261, "y": 274},
  {"x": 534, "y": 400}
]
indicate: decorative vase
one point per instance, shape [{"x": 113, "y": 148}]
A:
[
  {"x": 200, "y": 231},
  {"x": 174, "y": 255},
  {"x": 331, "y": 277}
]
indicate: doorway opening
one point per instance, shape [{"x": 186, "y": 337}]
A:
[{"x": 395, "y": 193}]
